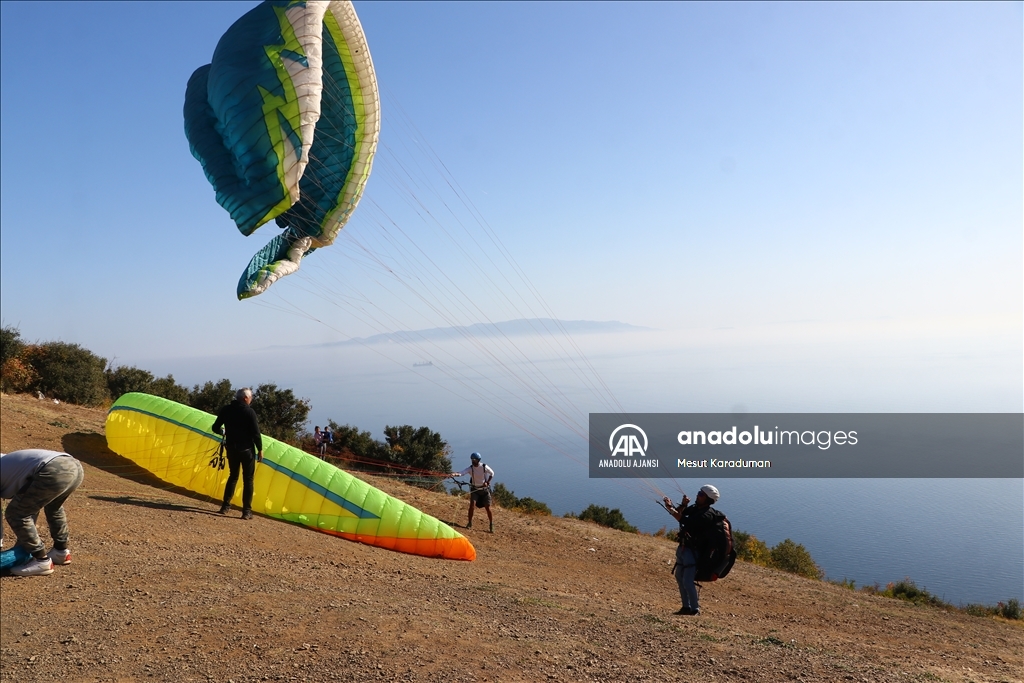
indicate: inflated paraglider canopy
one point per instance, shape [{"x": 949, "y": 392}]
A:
[{"x": 285, "y": 121}]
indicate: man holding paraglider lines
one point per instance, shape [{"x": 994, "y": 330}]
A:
[{"x": 480, "y": 476}]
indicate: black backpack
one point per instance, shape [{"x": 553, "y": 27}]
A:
[{"x": 719, "y": 555}]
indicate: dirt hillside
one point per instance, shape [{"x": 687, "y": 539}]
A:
[{"x": 162, "y": 588}]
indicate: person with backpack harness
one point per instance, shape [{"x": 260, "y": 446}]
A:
[
  {"x": 243, "y": 443},
  {"x": 705, "y": 550},
  {"x": 480, "y": 476}
]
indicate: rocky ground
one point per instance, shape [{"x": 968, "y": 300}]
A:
[{"x": 162, "y": 588}]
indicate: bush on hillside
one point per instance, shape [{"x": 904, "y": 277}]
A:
[
  {"x": 600, "y": 514},
  {"x": 361, "y": 445},
  {"x": 123, "y": 379},
  {"x": 508, "y": 500},
  {"x": 794, "y": 558},
  {"x": 166, "y": 387},
  {"x": 750, "y": 548},
  {"x": 281, "y": 415},
  {"x": 420, "y": 448},
  {"x": 69, "y": 373},
  {"x": 11, "y": 344},
  {"x": 16, "y": 375},
  {"x": 503, "y": 496},
  {"x": 908, "y": 590},
  {"x": 533, "y": 507},
  {"x": 211, "y": 397}
]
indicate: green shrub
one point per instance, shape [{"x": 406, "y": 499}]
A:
[
  {"x": 11, "y": 344},
  {"x": 211, "y": 397},
  {"x": 420, "y": 448},
  {"x": 976, "y": 610},
  {"x": 166, "y": 387},
  {"x": 69, "y": 373},
  {"x": 122, "y": 380},
  {"x": 794, "y": 558},
  {"x": 600, "y": 514},
  {"x": 1011, "y": 610},
  {"x": 908, "y": 590},
  {"x": 503, "y": 497},
  {"x": 508, "y": 500},
  {"x": 362, "y": 445},
  {"x": 531, "y": 506},
  {"x": 281, "y": 415}
]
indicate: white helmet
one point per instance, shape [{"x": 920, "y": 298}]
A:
[{"x": 711, "y": 492}]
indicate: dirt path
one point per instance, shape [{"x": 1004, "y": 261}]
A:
[{"x": 164, "y": 589}]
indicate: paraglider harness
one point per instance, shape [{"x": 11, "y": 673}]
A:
[
  {"x": 717, "y": 556},
  {"x": 481, "y": 502},
  {"x": 217, "y": 461}
]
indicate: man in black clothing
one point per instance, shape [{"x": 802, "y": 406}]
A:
[
  {"x": 241, "y": 440},
  {"x": 695, "y": 525}
]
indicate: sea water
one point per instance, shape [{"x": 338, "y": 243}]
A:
[{"x": 963, "y": 540}]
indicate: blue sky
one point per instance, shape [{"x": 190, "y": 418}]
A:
[{"x": 775, "y": 179}]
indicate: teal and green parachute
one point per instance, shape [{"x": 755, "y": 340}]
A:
[
  {"x": 285, "y": 121},
  {"x": 175, "y": 442}
]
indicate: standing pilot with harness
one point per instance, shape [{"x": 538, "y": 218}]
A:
[
  {"x": 244, "y": 445},
  {"x": 480, "y": 476},
  {"x": 697, "y": 545}
]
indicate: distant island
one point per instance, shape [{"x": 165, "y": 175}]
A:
[{"x": 509, "y": 328}]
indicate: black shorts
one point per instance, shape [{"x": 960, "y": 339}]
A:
[{"x": 482, "y": 497}]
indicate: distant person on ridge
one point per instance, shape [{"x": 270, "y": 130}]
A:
[
  {"x": 480, "y": 476},
  {"x": 327, "y": 437},
  {"x": 244, "y": 445},
  {"x": 696, "y": 522},
  {"x": 318, "y": 440},
  {"x": 37, "y": 480}
]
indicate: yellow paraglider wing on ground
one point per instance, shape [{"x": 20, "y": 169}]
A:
[{"x": 175, "y": 442}]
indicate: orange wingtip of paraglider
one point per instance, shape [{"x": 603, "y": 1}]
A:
[{"x": 447, "y": 548}]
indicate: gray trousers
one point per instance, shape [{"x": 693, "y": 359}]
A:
[{"x": 48, "y": 490}]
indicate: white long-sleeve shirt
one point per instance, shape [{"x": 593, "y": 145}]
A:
[{"x": 479, "y": 475}]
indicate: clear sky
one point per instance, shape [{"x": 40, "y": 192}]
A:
[{"x": 790, "y": 172}]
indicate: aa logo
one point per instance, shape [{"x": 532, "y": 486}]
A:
[{"x": 628, "y": 444}]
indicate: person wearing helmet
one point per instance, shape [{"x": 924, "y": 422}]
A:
[
  {"x": 480, "y": 476},
  {"x": 696, "y": 523}
]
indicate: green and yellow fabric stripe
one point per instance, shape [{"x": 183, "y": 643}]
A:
[{"x": 175, "y": 443}]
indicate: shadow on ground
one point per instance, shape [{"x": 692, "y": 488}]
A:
[{"x": 92, "y": 449}]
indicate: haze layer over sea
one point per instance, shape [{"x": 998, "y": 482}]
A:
[{"x": 523, "y": 405}]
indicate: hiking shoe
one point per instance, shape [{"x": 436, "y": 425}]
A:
[
  {"x": 687, "y": 612},
  {"x": 469, "y": 525},
  {"x": 34, "y": 567},
  {"x": 60, "y": 556},
  {"x": 492, "y": 527},
  {"x": 246, "y": 514},
  {"x": 224, "y": 509}
]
